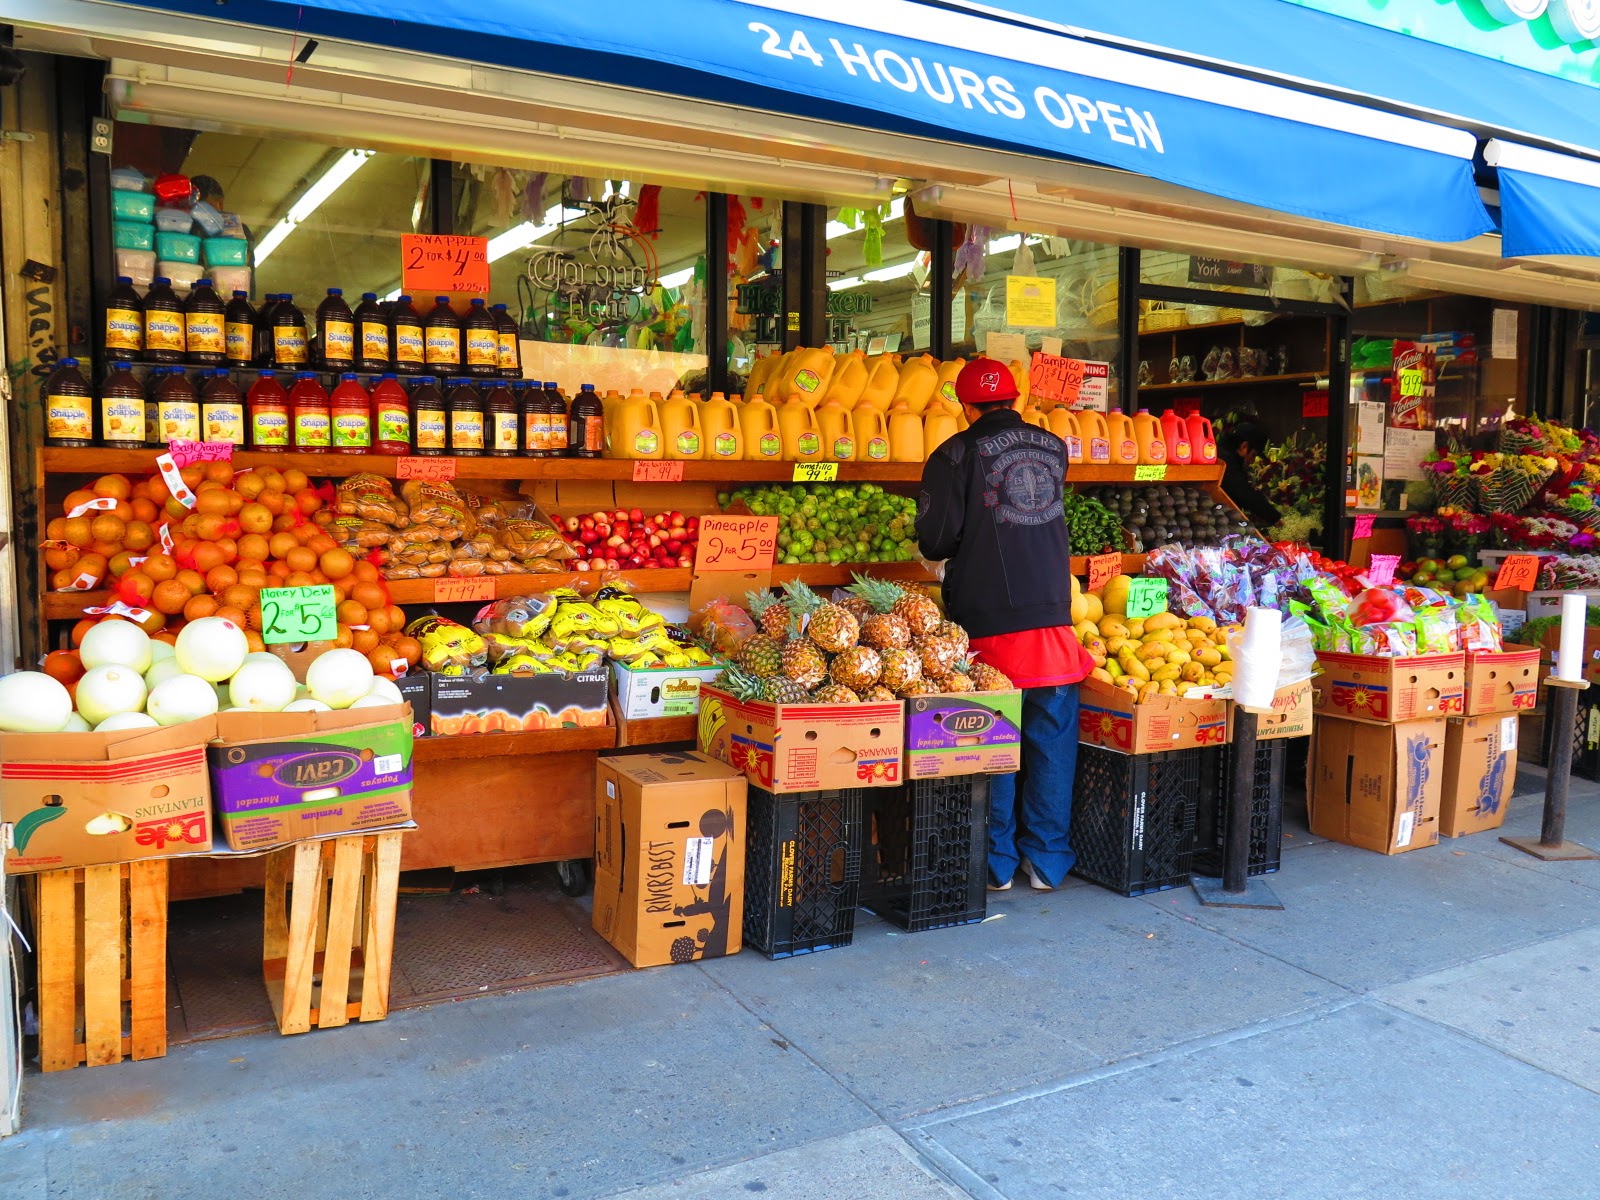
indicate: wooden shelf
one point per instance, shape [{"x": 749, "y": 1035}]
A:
[
  {"x": 1087, "y": 473},
  {"x": 1242, "y": 381},
  {"x": 654, "y": 731},
  {"x": 499, "y": 745}
]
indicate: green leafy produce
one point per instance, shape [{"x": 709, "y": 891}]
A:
[
  {"x": 835, "y": 522},
  {"x": 1092, "y": 528},
  {"x": 1532, "y": 632}
]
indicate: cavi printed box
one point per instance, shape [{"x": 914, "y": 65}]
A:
[{"x": 963, "y": 733}]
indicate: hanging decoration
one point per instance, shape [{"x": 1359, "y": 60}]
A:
[
  {"x": 648, "y": 216},
  {"x": 972, "y": 255}
]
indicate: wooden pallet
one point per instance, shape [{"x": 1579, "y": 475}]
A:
[
  {"x": 328, "y": 938},
  {"x": 102, "y": 957}
]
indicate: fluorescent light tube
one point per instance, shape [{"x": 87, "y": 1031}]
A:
[{"x": 329, "y": 182}]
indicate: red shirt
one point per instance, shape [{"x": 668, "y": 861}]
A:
[{"x": 1036, "y": 657}]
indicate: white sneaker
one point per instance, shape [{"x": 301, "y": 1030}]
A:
[
  {"x": 1038, "y": 884},
  {"x": 998, "y": 887}
]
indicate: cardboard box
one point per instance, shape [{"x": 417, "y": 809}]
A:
[
  {"x": 1292, "y": 714},
  {"x": 660, "y": 691},
  {"x": 804, "y": 747},
  {"x": 513, "y": 703},
  {"x": 83, "y": 799},
  {"x": 1107, "y": 716},
  {"x": 1366, "y": 687},
  {"x": 284, "y": 777},
  {"x": 1376, "y": 786},
  {"x": 1504, "y": 681},
  {"x": 963, "y": 733},
  {"x": 669, "y": 857},
  {"x": 416, "y": 688},
  {"x": 1480, "y": 772}
]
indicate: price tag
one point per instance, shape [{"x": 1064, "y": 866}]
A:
[
  {"x": 174, "y": 480},
  {"x": 1102, "y": 569},
  {"x": 1380, "y": 571},
  {"x": 443, "y": 262},
  {"x": 1363, "y": 528},
  {"x": 1520, "y": 571},
  {"x": 118, "y": 609},
  {"x": 654, "y": 470},
  {"x": 1412, "y": 381},
  {"x": 187, "y": 453},
  {"x": 1150, "y": 472},
  {"x": 305, "y": 614},
  {"x": 417, "y": 467},
  {"x": 814, "y": 472},
  {"x": 735, "y": 543},
  {"x": 103, "y": 504},
  {"x": 1147, "y": 597},
  {"x": 448, "y": 590},
  {"x": 1053, "y": 379},
  {"x": 1314, "y": 403}
]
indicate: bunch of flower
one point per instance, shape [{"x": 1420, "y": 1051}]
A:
[
  {"x": 1576, "y": 503},
  {"x": 1424, "y": 525},
  {"x": 1291, "y": 475},
  {"x": 1464, "y": 524},
  {"x": 1544, "y": 533},
  {"x": 1508, "y": 483},
  {"x": 1451, "y": 476},
  {"x": 1579, "y": 573}
]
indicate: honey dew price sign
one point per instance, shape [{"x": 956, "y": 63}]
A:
[
  {"x": 300, "y": 614},
  {"x": 736, "y": 543}
]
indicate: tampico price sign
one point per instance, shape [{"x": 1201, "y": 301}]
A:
[
  {"x": 443, "y": 262},
  {"x": 422, "y": 467},
  {"x": 303, "y": 614},
  {"x": 736, "y": 543},
  {"x": 1053, "y": 379}
]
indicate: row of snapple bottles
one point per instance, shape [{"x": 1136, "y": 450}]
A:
[
  {"x": 456, "y": 416},
  {"x": 201, "y": 331}
]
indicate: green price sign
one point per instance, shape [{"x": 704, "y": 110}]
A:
[
  {"x": 1147, "y": 597},
  {"x": 1149, "y": 472},
  {"x": 302, "y": 614},
  {"x": 815, "y": 472}
]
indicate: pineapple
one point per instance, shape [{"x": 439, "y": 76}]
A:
[
  {"x": 877, "y": 693},
  {"x": 949, "y": 629},
  {"x": 835, "y": 693},
  {"x": 959, "y": 679},
  {"x": 855, "y": 606},
  {"x": 780, "y": 689},
  {"x": 885, "y": 629},
  {"x": 919, "y": 612},
  {"x": 857, "y": 668},
  {"x": 901, "y": 668},
  {"x": 990, "y": 679},
  {"x": 938, "y": 656},
  {"x": 739, "y": 683},
  {"x": 827, "y": 624},
  {"x": 804, "y": 663},
  {"x": 770, "y": 613},
  {"x": 919, "y": 687},
  {"x": 762, "y": 656}
]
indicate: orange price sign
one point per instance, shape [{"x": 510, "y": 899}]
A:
[
  {"x": 1520, "y": 571},
  {"x": 657, "y": 470},
  {"x": 735, "y": 543},
  {"x": 1102, "y": 569},
  {"x": 443, "y": 262},
  {"x": 415, "y": 467},
  {"x": 448, "y": 590},
  {"x": 1053, "y": 379}
]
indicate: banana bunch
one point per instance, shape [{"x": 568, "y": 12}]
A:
[{"x": 1159, "y": 655}]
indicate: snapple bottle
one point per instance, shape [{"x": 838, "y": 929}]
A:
[
  {"x": 391, "y": 417},
  {"x": 124, "y": 321},
  {"x": 268, "y": 407},
  {"x": 68, "y": 407},
  {"x": 482, "y": 338},
  {"x": 351, "y": 410},
  {"x": 429, "y": 421},
  {"x": 310, "y": 415}
]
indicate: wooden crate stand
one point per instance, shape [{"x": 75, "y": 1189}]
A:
[
  {"x": 328, "y": 938},
  {"x": 102, "y": 959}
]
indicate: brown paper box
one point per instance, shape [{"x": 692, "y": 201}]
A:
[
  {"x": 669, "y": 857},
  {"x": 1504, "y": 681},
  {"x": 1480, "y": 771},
  {"x": 1376, "y": 786},
  {"x": 805, "y": 747},
  {"x": 1368, "y": 687},
  {"x": 1107, "y": 716},
  {"x": 1292, "y": 714}
]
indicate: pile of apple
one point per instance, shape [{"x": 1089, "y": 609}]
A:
[{"x": 625, "y": 539}]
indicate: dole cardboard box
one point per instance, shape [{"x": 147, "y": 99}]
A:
[
  {"x": 284, "y": 777},
  {"x": 1107, "y": 716},
  {"x": 963, "y": 733},
  {"x": 804, "y": 747},
  {"x": 1370, "y": 687},
  {"x": 514, "y": 703},
  {"x": 669, "y": 857},
  {"x": 1480, "y": 771},
  {"x": 660, "y": 691},
  {"x": 85, "y": 799},
  {"x": 1376, "y": 786},
  {"x": 1292, "y": 713},
  {"x": 1502, "y": 681}
]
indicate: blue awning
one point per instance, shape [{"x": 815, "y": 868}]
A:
[
  {"x": 905, "y": 66},
  {"x": 1549, "y": 203}
]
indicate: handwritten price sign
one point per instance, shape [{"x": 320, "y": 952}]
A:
[
  {"x": 1102, "y": 569},
  {"x": 1412, "y": 381},
  {"x": 448, "y": 590},
  {"x": 305, "y": 614},
  {"x": 442, "y": 262},
  {"x": 1520, "y": 571},
  {"x": 413, "y": 467},
  {"x": 187, "y": 453},
  {"x": 1150, "y": 472},
  {"x": 815, "y": 472},
  {"x": 1380, "y": 572},
  {"x": 652, "y": 470},
  {"x": 1363, "y": 528},
  {"x": 1314, "y": 403},
  {"x": 1147, "y": 597},
  {"x": 736, "y": 543},
  {"x": 1053, "y": 379}
]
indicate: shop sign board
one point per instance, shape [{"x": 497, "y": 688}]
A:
[
  {"x": 1223, "y": 272},
  {"x": 1514, "y": 31}
]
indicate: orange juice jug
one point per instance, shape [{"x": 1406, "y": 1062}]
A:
[
  {"x": 938, "y": 426},
  {"x": 906, "y": 433},
  {"x": 1202, "y": 441},
  {"x": 849, "y": 379},
  {"x": 807, "y": 374},
  {"x": 764, "y": 374},
  {"x": 682, "y": 434},
  {"x": 719, "y": 418},
  {"x": 1034, "y": 415},
  {"x": 919, "y": 378},
  {"x": 758, "y": 428},
  {"x": 1124, "y": 442},
  {"x": 871, "y": 429},
  {"x": 1175, "y": 432},
  {"x": 838, "y": 436},
  {"x": 1096, "y": 436},
  {"x": 882, "y": 381},
  {"x": 636, "y": 427},
  {"x": 609, "y": 403},
  {"x": 797, "y": 425},
  {"x": 1064, "y": 424},
  {"x": 1147, "y": 432},
  {"x": 948, "y": 371}
]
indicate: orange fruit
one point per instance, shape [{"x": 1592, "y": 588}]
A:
[
  {"x": 192, "y": 475},
  {"x": 213, "y": 501},
  {"x": 343, "y": 638},
  {"x": 279, "y": 571},
  {"x": 61, "y": 558},
  {"x": 139, "y": 583},
  {"x": 303, "y": 532},
  {"x": 160, "y": 566},
  {"x": 121, "y": 563},
  {"x": 370, "y": 596},
  {"x": 320, "y": 542},
  {"x": 337, "y": 562},
  {"x": 382, "y": 660},
  {"x": 138, "y": 536},
  {"x": 249, "y": 485},
  {"x": 209, "y": 526},
  {"x": 366, "y": 572},
  {"x": 272, "y": 501},
  {"x": 56, "y": 529},
  {"x": 77, "y": 531},
  {"x": 107, "y": 528},
  {"x": 279, "y": 544},
  {"x": 378, "y": 620},
  {"x": 232, "y": 614},
  {"x": 308, "y": 500},
  {"x": 252, "y": 615},
  {"x": 193, "y": 580},
  {"x": 169, "y": 636},
  {"x": 221, "y": 472},
  {"x": 363, "y": 640},
  {"x": 83, "y": 627},
  {"x": 144, "y": 510},
  {"x": 271, "y": 479},
  {"x": 63, "y": 665},
  {"x": 105, "y": 549},
  {"x": 199, "y": 606},
  {"x": 240, "y": 595},
  {"x": 63, "y": 580},
  {"x": 219, "y": 579},
  {"x": 152, "y": 622},
  {"x": 397, "y": 618},
  {"x": 252, "y": 639},
  {"x": 171, "y": 597},
  {"x": 116, "y": 486},
  {"x": 294, "y": 479},
  {"x": 229, "y": 548},
  {"x": 158, "y": 492},
  {"x": 285, "y": 524},
  {"x": 77, "y": 498},
  {"x": 351, "y": 613},
  {"x": 253, "y": 578},
  {"x": 299, "y": 579},
  {"x": 254, "y": 547},
  {"x": 301, "y": 558},
  {"x": 94, "y": 565},
  {"x": 408, "y": 648},
  {"x": 255, "y": 518},
  {"x": 208, "y": 555}
]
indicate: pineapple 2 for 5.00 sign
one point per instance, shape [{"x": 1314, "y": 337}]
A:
[{"x": 736, "y": 543}]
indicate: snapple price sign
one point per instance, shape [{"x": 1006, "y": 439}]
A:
[
  {"x": 736, "y": 543},
  {"x": 443, "y": 262},
  {"x": 302, "y": 614}
]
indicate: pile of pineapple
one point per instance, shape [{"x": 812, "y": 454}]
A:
[
  {"x": 1159, "y": 655},
  {"x": 881, "y": 642}
]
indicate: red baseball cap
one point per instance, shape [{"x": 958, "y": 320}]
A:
[{"x": 986, "y": 381}]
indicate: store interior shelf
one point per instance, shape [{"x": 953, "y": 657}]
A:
[
  {"x": 497, "y": 745},
  {"x": 1242, "y": 381},
  {"x": 1088, "y": 473}
]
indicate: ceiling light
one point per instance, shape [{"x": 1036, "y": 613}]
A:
[
  {"x": 677, "y": 278},
  {"x": 520, "y": 237},
  {"x": 331, "y": 180},
  {"x": 898, "y": 271}
]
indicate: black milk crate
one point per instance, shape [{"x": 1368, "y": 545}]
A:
[
  {"x": 929, "y": 863},
  {"x": 1133, "y": 818},
  {"x": 1585, "y": 754},
  {"x": 802, "y": 870},
  {"x": 1266, "y": 809}
]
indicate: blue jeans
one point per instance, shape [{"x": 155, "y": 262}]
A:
[{"x": 1049, "y": 764}]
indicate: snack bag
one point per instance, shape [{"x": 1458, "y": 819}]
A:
[
  {"x": 448, "y": 648},
  {"x": 1478, "y": 625},
  {"x": 1437, "y": 630}
]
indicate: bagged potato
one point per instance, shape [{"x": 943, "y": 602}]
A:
[{"x": 371, "y": 497}]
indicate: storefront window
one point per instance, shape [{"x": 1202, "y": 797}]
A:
[
  {"x": 753, "y": 260},
  {"x": 878, "y": 284},
  {"x": 606, "y": 276}
]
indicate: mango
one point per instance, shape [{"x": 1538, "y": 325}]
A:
[
  {"x": 1097, "y": 610},
  {"x": 1112, "y": 627},
  {"x": 1103, "y": 675},
  {"x": 1164, "y": 674},
  {"x": 1204, "y": 624},
  {"x": 1162, "y": 620},
  {"x": 1209, "y": 657}
]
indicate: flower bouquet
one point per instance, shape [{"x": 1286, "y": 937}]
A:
[
  {"x": 1507, "y": 483},
  {"x": 1425, "y": 537},
  {"x": 1452, "y": 481},
  {"x": 1578, "y": 506},
  {"x": 1290, "y": 474},
  {"x": 1465, "y": 533}
]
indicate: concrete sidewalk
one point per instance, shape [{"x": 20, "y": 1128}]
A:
[{"x": 1424, "y": 1026}]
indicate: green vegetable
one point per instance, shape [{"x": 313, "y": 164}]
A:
[
  {"x": 28, "y": 824},
  {"x": 1092, "y": 528},
  {"x": 1532, "y": 633}
]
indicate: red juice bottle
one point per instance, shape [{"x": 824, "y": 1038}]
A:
[
  {"x": 391, "y": 416},
  {"x": 267, "y": 406},
  {"x": 310, "y": 414},
  {"x": 351, "y": 410}
]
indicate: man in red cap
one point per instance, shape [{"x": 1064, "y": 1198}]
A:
[{"x": 991, "y": 507}]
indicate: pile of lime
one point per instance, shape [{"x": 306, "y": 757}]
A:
[{"x": 834, "y": 522}]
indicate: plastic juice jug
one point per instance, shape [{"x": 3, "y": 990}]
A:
[
  {"x": 205, "y": 338},
  {"x": 586, "y": 424},
  {"x": 838, "y": 435},
  {"x": 758, "y": 426},
  {"x": 69, "y": 407},
  {"x": 849, "y": 379},
  {"x": 905, "y": 434},
  {"x": 124, "y": 321},
  {"x": 719, "y": 418},
  {"x": 221, "y": 409},
  {"x": 1096, "y": 437},
  {"x": 1202, "y": 441},
  {"x": 267, "y": 407},
  {"x": 391, "y": 417},
  {"x": 919, "y": 378},
  {"x": 336, "y": 333},
  {"x": 239, "y": 331},
  {"x": 946, "y": 388},
  {"x": 797, "y": 426},
  {"x": 1124, "y": 443},
  {"x": 883, "y": 380},
  {"x": 122, "y": 420},
  {"x": 762, "y": 373},
  {"x": 480, "y": 341},
  {"x": 807, "y": 374},
  {"x": 636, "y": 427},
  {"x": 1147, "y": 432},
  {"x": 1064, "y": 424},
  {"x": 680, "y": 426},
  {"x": 871, "y": 429},
  {"x": 1034, "y": 415},
  {"x": 938, "y": 425},
  {"x": 1175, "y": 432},
  {"x": 310, "y": 419}
]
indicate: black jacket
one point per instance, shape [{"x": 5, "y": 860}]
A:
[{"x": 991, "y": 506}]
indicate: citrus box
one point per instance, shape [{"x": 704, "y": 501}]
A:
[
  {"x": 1369, "y": 687},
  {"x": 516, "y": 703},
  {"x": 660, "y": 691},
  {"x": 1108, "y": 716},
  {"x": 804, "y": 747},
  {"x": 963, "y": 733},
  {"x": 1506, "y": 680}
]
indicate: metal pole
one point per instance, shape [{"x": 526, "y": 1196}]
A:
[
  {"x": 1236, "y": 889},
  {"x": 1562, "y": 697}
]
